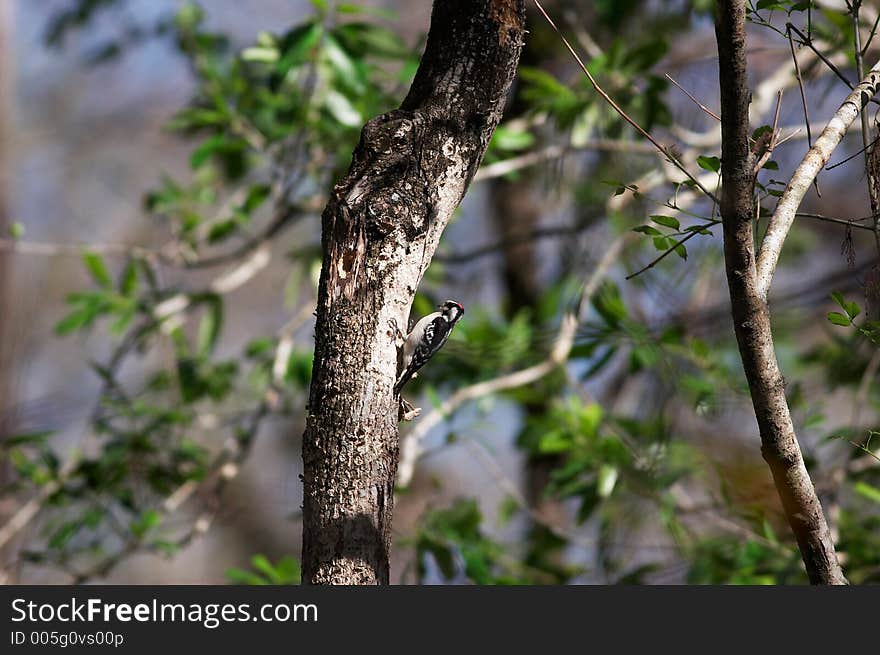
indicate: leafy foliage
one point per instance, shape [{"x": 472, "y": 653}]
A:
[{"x": 285, "y": 571}]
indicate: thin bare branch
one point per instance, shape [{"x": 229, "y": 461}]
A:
[
  {"x": 774, "y": 136},
  {"x": 695, "y": 101}
]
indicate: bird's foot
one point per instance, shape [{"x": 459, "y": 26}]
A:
[{"x": 406, "y": 411}]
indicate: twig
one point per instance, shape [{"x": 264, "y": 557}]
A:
[
  {"x": 800, "y": 81},
  {"x": 507, "y": 485},
  {"x": 45, "y": 249},
  {"x": 52, "y": 249},
  {"x": 861, "y": 150},
  {"x": 871, "y": 35},
  {"x": 865, "y": 387},
  {"x": 860, "y": 446},
  {"x": 696, "y": 102},
  {"x": 839, "y": 221},
  {"x": 774, "y": 136},
  {"x": 825, "y": 60},
  {"x": 671, "y": 249},
  {"x": 513, "y": 164},
  {"x": 660, "y": 148}
]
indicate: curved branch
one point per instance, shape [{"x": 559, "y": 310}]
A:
[{"x": 806, "y": 172}]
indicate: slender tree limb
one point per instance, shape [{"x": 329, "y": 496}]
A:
[
  {"x": 805, "y": 173},
  {"x": 549, "y": 153},
  {"x": 751, "y": 316},
  {"x": 693, "y": 99}
]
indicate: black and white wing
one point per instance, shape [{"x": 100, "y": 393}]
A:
[{"x": 435, "y": 335}]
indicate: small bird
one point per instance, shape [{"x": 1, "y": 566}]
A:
[{"x": 426, "y": 338}]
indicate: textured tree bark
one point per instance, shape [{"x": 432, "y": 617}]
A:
[
  {"x": 380, "y": 229},
  {"x": 751, "y": 315}
]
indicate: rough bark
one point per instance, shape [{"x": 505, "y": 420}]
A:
[
  {"x": 380, "y": 229},
  {"x": 751, "y": 315}
]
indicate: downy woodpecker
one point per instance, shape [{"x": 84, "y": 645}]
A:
[{"x": 426, "y": 338}]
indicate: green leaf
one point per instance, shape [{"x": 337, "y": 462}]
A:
[
  {"x": 507, "y": 138},
  {"x": 606, "y": 480},
  {"x": 507, "y": 510},
  {"x": 868, "y": 491},
  {"x": 95, "y": 265},
  {"x": 666, "y": 221},
  {"x": 144, "y": 523},
  {"x": 554, "y": 442},
  {"x": 215, "y": 145},
  {"x": 800, "y": 6},
  {"x": 266, "y": 55},
  {"x": 25, "y": 438},
  {"x": 852, "y": 309},
  {"x": 839, "y": 319},
  {"x": 299, "y": 45},
  {"x": 240, "y": 576},
  {"x": 210, "y": 326},
  {"x": 71, "y": 323},
  {"x": 194, "y": 118},
  {"x": 256, "y": 196},
  {"x": 258, "y": 347},
  {"x": 647, "y": 229},
  {"x": 343, "y": 65},
  {"x": 369, "y": 40},
  {"x": 289, "y": 570},
  {"x": 62, "y": 536},
  {"x": 342, "y": 110},
  {"x": 221, "y": 230},
  {"x": 709, "y": 163},
  {"x": 16, "y": 230},
  {"x": 129, "y": 281},
  {"x": 262, "y": 564}
]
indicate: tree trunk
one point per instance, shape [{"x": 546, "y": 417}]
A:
[
  {"x": 751, "y": 315},
  {"x": 380, "y": 229}
]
